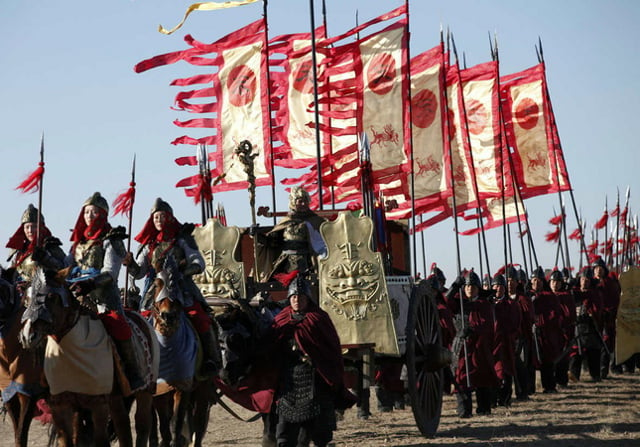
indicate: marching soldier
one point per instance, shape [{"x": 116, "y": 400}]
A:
[
  {"x": 161, "y": 236},
  {"x": 547, "y": 330},
  {"x": 96, "y": 256},
  {"x": 610, "y": 289},
  {"x": 588, "y": 341},
  {"x": 515, "y": 290},
  {"x": 567, "y": 305},
  {"x": 507, "y": 327},
  {"x": 473, "y": 345},
  {"x": 27, "y": 253}
]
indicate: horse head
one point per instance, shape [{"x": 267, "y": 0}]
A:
[
  {"x": 8, "y": 293},
  {"x": 167, "y": 301},
  {"x": 50, "y": 309}
]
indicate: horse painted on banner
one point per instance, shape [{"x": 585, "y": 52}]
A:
[
  {"x": 182, "y": 396},
  {"x": 83, "y": 374},
  {"x": 20, "y": 369}
]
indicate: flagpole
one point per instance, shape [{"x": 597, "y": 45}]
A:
[
  {"x": 129, "y": 225},
  {"x": 39, "y": 219},
  {"x": 268, "y": 76},
  {"x": 316, "y": 113}
]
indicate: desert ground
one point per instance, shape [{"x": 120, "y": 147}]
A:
[{"x": 587, "y": 414}]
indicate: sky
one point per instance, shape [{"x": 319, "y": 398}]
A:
[{"x": 67, "y": 71}]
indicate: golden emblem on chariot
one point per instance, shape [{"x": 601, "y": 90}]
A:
[
  {"x": 223, "y": 276},
  {"x": 353, "y": 289}
]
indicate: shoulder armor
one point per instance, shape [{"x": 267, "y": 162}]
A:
[
  {"x": 186, "y": 233},
  {"x": 50, "y": 242},
  {"x": 117, "y": 233}
]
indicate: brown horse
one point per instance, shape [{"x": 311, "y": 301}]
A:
[
  {"x": 182, "y": 398},
  {"x": 80, "y": 368},
  {"x": 20, "y": 370}
]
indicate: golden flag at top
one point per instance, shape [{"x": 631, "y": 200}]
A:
[{"x": 208, "y": 6}]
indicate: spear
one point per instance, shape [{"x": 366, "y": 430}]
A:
[
  {"x": 123, "y": 204},
  {"x": 40, "y": 190},
  {"x": 33, "y": 182},
  {"x": 244, "y": 151}
]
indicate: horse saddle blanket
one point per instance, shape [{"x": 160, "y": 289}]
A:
[
  {"x": 82, "y": 361},
  {"x": 178, "y": 353}
]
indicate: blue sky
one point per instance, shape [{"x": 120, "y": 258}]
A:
[{"x": 67, "y": 70}]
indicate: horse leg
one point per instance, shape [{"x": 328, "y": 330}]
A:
[
  {"x": 143, "y": 417},
  {"x": 27, "y": 407},
  {"x": 200, "y": 413},
  {"x": 180, "y": 405},
  {"x": 164, "y": 411},
  {"x": 120, "y": 418},
  {"x": 64, "y": 419},
  {"x": 100, "y": 419}
]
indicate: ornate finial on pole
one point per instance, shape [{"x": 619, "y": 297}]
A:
[{"x": 244, "y": 151}]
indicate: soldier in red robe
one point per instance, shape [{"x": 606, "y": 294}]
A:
[
  {"x": 609, "y": 286},
  {"x": 507, "y": 327},
  {"x": 473, "y": 344},
  {"x": 567, "y": 305}
]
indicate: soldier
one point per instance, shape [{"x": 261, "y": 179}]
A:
[
  {"x": 507, "y": 327},
  {"x": 588, "y": 341},
  {"x": 567, "y": 305},
  {"x": 610, "y": 290},
  {"x": 163, "y": 236},
  {"x": 296, "y": 236},
  {"x": 26, "y": 253},
  {"x": 96, "y": 256},
  {"x": 311, "y": 383},
  {"x": 547, "y": 330},
  {"x": 473, "y": 344},
  {"x": 524, "y": 342}
]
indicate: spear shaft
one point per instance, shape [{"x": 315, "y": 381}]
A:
[
  {"x": 129, "y": 227},
  {"x": 39, "y": 222}
]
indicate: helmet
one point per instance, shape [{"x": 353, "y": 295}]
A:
[
  {"x": 438, "y": 273},
  {"x": 556, "y": 275},
  {"x": 599, "y": 263},
  {"x": 161, "y": 205},
  {"x": 511, "y": 272},
  {"x": 30, "y": 215},
  {"x": 472, "y": 279},
  {"x": 299, "y": 286},
  {"x": 586, "y": 272},
  {"x": 296, "y": 193},
  {"x": 538, "y": 273},
  {"x": 97, "y": 200},
  {"x": 499, "y": 280},
  {"x": 486, "y": 280},
  {"x": 521, "y": 276},
  {"x": 566, "y": 274}
]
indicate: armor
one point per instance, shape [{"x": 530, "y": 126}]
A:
[{"x": 297, "y": 402}]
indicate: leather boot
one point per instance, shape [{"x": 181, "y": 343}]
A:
[
  {"x": 211, "y": 360},
  {"x": 130, "y": 362}
]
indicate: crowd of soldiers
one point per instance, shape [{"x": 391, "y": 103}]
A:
[{"x": 504, "y": 329}]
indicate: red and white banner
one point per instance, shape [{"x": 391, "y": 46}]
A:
[
  {"x": 538, "y": 163},
  {"x": 237, "y": 104}
]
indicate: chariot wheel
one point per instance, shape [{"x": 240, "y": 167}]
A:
[{"x": 425, "y": 359}]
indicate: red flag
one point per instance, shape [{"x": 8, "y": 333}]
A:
[
  {"x": 556, "y": 220},
  {"x": 553, "y": 236},
  {"x": 576, "y": 234},
  {"x": 124, "y": 202},
  {"x": 32, "y": 182},
  {"x": 602, "y": 222}
]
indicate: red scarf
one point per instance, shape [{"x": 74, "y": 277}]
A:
[
  {"x": 94, "y": 232},
  {"x": 20, "y": 243},
  {"x": 149, "y": 235}
]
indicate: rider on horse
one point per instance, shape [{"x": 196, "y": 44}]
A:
[
  {"x": 27, "y": 252},
  {"x": 161, "y": 236},
  {"x": 96, "y": 256}
]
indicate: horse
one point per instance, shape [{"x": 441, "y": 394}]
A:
[
  {"x": 182, "y": 396},
  {"x": 81, "y": 370},
  {"x": 20, "y": 369}
]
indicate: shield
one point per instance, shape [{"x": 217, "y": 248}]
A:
[
  {"x": 353, "y": 289},
  {"x": 628, "y": 321},
  {"x": 223, "y": 275}
]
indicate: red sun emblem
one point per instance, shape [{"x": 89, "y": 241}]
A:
[
  {"x": 302, "y": 77},
  {"x": 381, "y": 73},
  {"x": 423, "y": 108},
  {"x": 527, "y": 113},
  {"x": 241, "y": 85},
  {"x": 452, "y": 124},
  {"x": 477, "y": 116}
]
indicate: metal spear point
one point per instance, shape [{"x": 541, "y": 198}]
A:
[{"x": 40, "y": 191}]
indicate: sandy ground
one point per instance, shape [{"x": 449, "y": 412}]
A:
[{"x": 588, "y": 414}]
